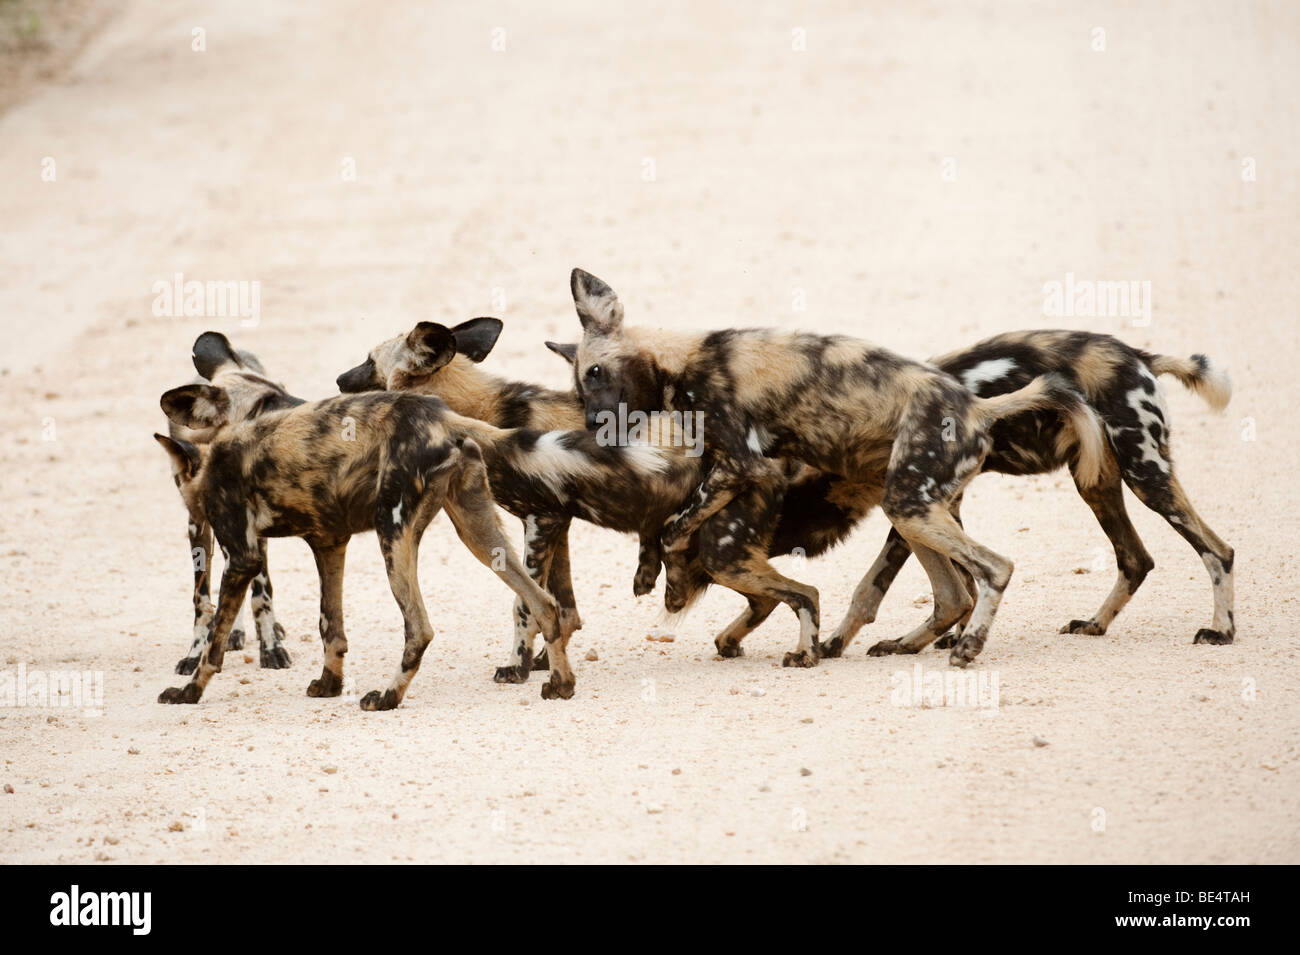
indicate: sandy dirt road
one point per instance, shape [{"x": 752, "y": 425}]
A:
[{"x": 913, "y": 175}]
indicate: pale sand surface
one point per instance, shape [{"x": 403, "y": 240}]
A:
[{"x": 775, "y": 170}]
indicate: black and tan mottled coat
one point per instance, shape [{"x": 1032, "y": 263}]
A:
[
  {"x": 325, "y": 471},
  {"x": 245, "y": 380},
  {"x": 901, "y": 433}
]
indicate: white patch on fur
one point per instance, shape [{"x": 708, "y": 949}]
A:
[
  {"x": 397, "y": 514},
  {"x": 1136, "y": 399},
  {"x": 986, "y": 371}
]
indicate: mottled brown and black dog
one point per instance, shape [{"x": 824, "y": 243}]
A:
[
  {"x": 213, "y": 355},
  {"x": 1119, "y": 383},
  {"x": 325, "y": 471},
  {"x": 902, "y": 433}
]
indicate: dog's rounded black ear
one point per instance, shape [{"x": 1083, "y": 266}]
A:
[
  {"x": 184, "y": 456},
  {"x": 197, "y": 407},
  {"x": 431, "y": 345},
  {"x": 211, "y": 351},
  {"x": 568, "y": 352},
  {"x": 475, "y": 338}
]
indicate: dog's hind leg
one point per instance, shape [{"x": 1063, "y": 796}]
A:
[
  {"x": 201, "y": 562},
  {"x": 559, "y": 583},
  {"x": 330, "y": 558},
  {"x": 469, "y": 505},
  {"x": 400, "y": 546},
  {"x": 542, "y": 536},
  {"x": 1106, "y": 498},
  {"x": 1167, "y": 498},
  {"x": 939, "y": 531},
  {"x": 239, "y": 570},
  {"x": 270, "y": 635},
  {"x": 869, "y": 593},
  {"x": 952, "y": 603}
]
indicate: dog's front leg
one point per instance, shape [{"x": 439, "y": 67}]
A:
[
  {"x": 240, "y": 568},
  {"x": 201, "y": 562},
  {"x": 330, "y": 557},
  {"x": 540, "y": 537},
  {"x": 270, "y": 635},
  {"x": 719, "y": 487}
]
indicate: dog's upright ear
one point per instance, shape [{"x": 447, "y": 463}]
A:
[
  {"x": 183, "y": 455},
  {"x": 475, "y": 338},
  {"x": 212, "y": 351},
  {"x": 599, "y": 309},
  {"x": 429, "y": 346},
  {"x": 201, "y": 408},
  {"x": 568, "y": 352}
]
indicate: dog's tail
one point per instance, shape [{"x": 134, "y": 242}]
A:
[
  {"x": 569, "y": 463},
  {"x": 1052, "y": 392},
  {"x": 1197, "y": 373}
]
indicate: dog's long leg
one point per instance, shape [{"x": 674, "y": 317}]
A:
[
  {"x": 1106, "y": 498},
  {"x": 756, "y": 479},
  {"x": 330, "y": 559},
  {"x": 952, "y": 603},
  {"x": 869, "y": 593},
  {"x": 201, "y": 563},
  {"x": 754, "y": 577},
  {"x": 470, "y": 507},
  {"x": 540, "y": 541},
  {"x": 938, "y": 530},
  {"x": 728, "y": 641},
  {"x": 1166, "y": 497},
  {"x": 240, "y": 568},
  {"x": 270, "y": 635},
  {"x": 400, "y": 545},
  {"x": 559, "y": 583}
]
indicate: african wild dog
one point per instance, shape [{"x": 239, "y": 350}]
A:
[
  {"x": 1119, "y": 382},
  {"x": 631, "y": 489},
  {"x": 908, "y": 434},
  {"x": 621, "y": 494},
  {"x": 243, "y": 377},
  {"x": 325, "y": 471}
]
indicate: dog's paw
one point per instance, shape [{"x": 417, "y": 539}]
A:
[
  {"x": 189, "y": 693},
  {"x": 966, "y": 650},
  {"x": 557, "y": 689},
  {"x": 888, "y": 647},
  {"x": 275, "y": 657},
  {"x": 1087, "y": 627},
  {"x": 948, "y": 640},
  {"x": 800, "y": 658},
  {"x": 327, "y": 684},
  {"x": 541, "y": 661},
  {"x": 187, "y": 666},
  {"x": 236, "y": 639},
  {"x": 374, "y": 700},
  {"x": 832, "y": 649},
  {"x": 511, "y": 674},
  {"x": 1216, "y": 637},
  {"x": 729, "y": 651}
]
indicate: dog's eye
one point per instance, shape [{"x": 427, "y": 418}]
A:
[{"x": 594, "y": 373}]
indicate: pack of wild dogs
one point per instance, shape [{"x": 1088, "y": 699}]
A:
[{"x": 800, "y": 437}]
